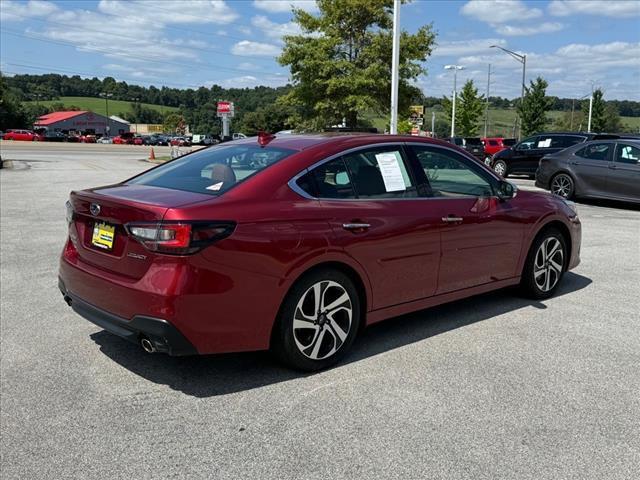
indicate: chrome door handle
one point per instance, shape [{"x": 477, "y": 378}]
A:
[
  {"x": 355, "y": 226},
  {"x": 452, "y": 219}
]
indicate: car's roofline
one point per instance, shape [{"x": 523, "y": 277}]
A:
[{"x": 300, "y": 142}]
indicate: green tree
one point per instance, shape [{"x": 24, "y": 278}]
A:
[
  {"x": 12, "y": 114},
  {"x": 172, "y": 122},
  {"x": 533, "y": 110},
  {"x": 604, "y": 115},
  {"x": 469, "y": 108},
  {"x": 341, "y": 63}
]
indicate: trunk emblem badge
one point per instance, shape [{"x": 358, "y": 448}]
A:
[{"x": 94, "y": 208}]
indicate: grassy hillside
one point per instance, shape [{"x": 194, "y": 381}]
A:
[
  {"x": 501, "y": 121},
  {"x": 97, "y": 105}
]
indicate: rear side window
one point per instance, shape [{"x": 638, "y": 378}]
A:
[
  {"x": 332, "y": 180},
  {"x": 570, "y": 140},
  {"x": 628, "y": 154},
  {"x": 212, "y": 170},
  {"x": 596, "y": 151}
]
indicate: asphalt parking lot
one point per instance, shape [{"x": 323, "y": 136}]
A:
[{"x": 490, "y": 387}]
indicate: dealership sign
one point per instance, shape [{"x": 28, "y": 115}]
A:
[{"x": 226, "y": 109}]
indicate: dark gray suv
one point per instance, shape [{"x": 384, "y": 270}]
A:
[
  {"x": 596, "y": 169},
  {"x": 523, "y": 157}
]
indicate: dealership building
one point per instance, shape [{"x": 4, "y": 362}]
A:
[{"x": 81, "y": 122}]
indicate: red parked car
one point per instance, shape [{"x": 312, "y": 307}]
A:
[
  {"x": 493, "y": 145},
  {"x": 23, "y": 135},
  {"x": 124, "y": 138},
  {"x": 293, "y": 243}
]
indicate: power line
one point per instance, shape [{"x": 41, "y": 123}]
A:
[
  {"x": 146, "y": 59},
  {"x": 92, "y": 30}
]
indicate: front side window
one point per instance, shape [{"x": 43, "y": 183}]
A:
[
  {"x": 450, "y": 175},
  {"x": 213, "y": 170},
  {"x": 628, "y": 154},
  {"x": 380, "y": 173},
  {"x": 596, "y": 151},
  {"x": 527, "y": 143}
]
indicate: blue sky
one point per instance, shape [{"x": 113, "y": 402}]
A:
[{"x": 234, "y": 43}]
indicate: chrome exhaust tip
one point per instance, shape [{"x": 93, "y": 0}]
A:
[{"x": 147, "y": 346}]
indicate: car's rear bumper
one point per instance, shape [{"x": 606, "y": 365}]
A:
[{"x": 165, "y": 337}]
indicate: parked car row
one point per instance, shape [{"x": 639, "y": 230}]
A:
[
  {"x": 482, "y": 148},
  {"x": 576, "y": 164}
]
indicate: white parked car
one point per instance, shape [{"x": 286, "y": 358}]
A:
[{"x": 105, "y": 140}]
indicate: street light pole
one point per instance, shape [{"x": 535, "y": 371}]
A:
[
  {"x": 395, "y": 61},
  {"x": 455, "y": 69},
  {"x": 106, "y": 103},
  {"x": 486, "y": 107},
  {"x": 523, "y": 60}
]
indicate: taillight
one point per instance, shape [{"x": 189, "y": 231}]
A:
[
  {"x": 180, "y": 238},
  {"x": 69, "y": 212}
]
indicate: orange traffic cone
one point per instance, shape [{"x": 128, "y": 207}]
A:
[{"x": 152, "y": 155}]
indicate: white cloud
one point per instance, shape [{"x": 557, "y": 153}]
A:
[
  {"x": 184, "y": 11},
  {"x": 275, "y": 30},
  {"x": 13, "y": 11},
  {"x": 568, "y": 70},
  {"x": 249, "y": 81},
  {"x": 246, "y": 48},
  {"x": 285, "y": 6},
  {"x": 500, "y": 14},
  {"x": 466, "y": 47},
  {"x": 248, "y": 66},
  {"x": 499, "y": 11},
  {"x": 514, "y": 31},
  {"x": 607, "y": 8}
]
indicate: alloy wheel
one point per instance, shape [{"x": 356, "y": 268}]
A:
[
  {"x": 500, "y": 168},
  {"x": 562, "y": 186},
  {"x": 322, "y": 320},
  {"x": 548, "y": 264}
]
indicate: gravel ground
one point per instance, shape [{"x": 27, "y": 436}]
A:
[{"x": 489, "y": 387}]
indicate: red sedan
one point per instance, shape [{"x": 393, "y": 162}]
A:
[
  {"x": 293, "y": 243},
  {"x": 23, "y": 135}
]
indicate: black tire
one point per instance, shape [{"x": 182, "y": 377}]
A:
[
  {"x": 296, "y": 348},
  {"x": 501, "y": 168},
  {"x": 563, "y": 185},
  {"x": 530, "y": 281}
]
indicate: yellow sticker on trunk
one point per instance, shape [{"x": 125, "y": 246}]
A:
[{"x": 103, "y": 235}]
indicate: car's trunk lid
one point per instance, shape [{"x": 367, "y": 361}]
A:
[{"x": 113, "y": 208}]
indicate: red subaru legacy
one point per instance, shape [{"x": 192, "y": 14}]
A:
[{"x": 294, "y": 243}]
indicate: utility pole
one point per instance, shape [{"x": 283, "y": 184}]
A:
[
  {"x": 395, "y": 61},
  {"x": 433, "y": 124},
  {"x": 455, "y": 69},
  {"x": 486, "y": 107},
  {"x": 590, "y": 111}
]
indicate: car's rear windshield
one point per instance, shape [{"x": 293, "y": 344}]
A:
[
  {"x": 212, "y": 170},
  {"x": 472, "y": 141}
]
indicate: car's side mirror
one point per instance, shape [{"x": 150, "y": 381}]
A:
[{"x": 506, "y": 190}]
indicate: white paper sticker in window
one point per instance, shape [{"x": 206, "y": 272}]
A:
[
  {"x": 546, "y": 143},
  {"x": 389, "y": 163},
  {"x": 215, "y": 186}
]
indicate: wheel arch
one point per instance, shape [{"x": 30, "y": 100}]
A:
[
  {"x": 570, "y": 174},
  {"x": 359, "y": 279},
  {"x": 551, "y": 223}
]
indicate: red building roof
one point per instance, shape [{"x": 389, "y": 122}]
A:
[{"x": 54, "y": 117}]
